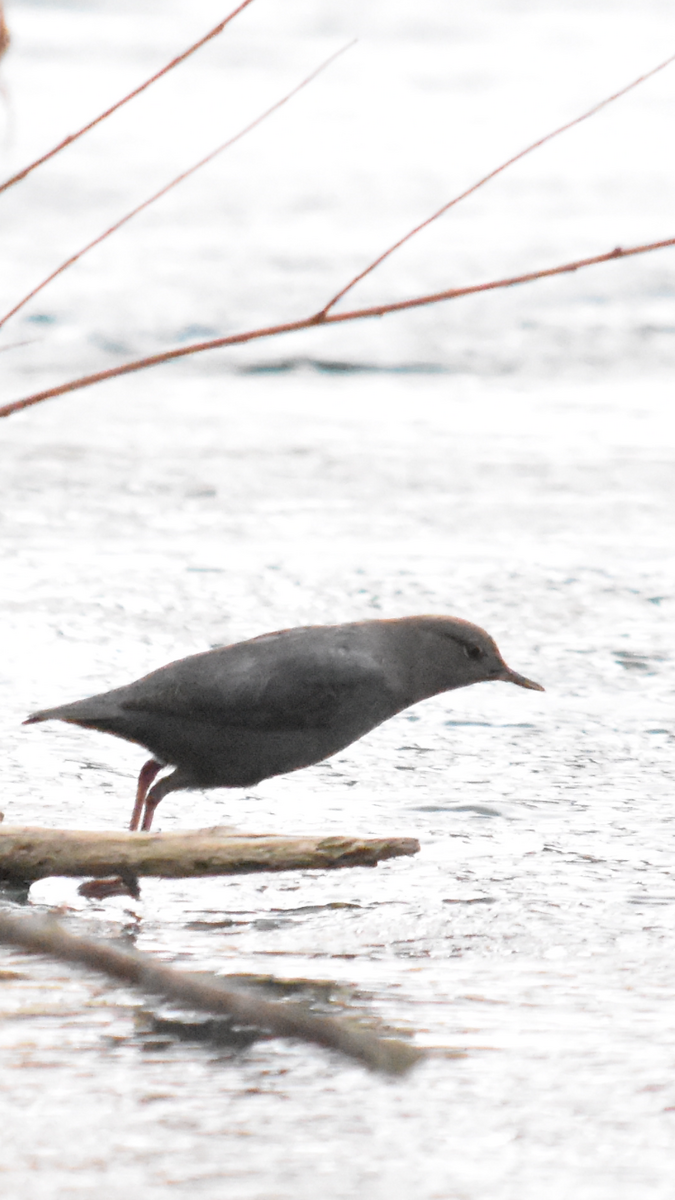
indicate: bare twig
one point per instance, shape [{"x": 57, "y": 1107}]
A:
[
  {"x": 41, "y": 935},
  {"x": 15, "y": 345},
  {"x": 27, "y": 854},
  {"x": 486, "y": 179},
  {"x": 125, "y": 100},
  {"x": 4, "y": 33},
  {"x": 377, "y": 310},
  {"x": 174, "y": 183}
]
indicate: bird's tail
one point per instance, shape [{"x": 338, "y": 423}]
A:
[{"x": 93, "y": 712}]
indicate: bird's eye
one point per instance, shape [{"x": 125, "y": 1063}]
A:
[{"x": 473, "y": 652}]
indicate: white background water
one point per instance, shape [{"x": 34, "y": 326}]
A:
[{"x": 508, "y": 458}]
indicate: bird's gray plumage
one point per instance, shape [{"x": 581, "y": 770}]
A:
[{"x": 236, "y": 715}]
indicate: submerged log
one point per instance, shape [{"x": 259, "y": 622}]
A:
[
  {"x": 43, "y": 935},
  {"x": 30, "y": 853}
]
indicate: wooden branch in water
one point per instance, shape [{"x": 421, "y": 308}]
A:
[
  {"x": 31, "y": 853},
  {"x": 290, "y": 1019}
]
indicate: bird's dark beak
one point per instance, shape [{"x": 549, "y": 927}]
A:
[{"x": 510, "y": 676}]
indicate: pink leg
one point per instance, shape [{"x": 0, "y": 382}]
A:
[
  {"x": 168, "y": 784},
  {"x": 149, "y": 813},
  {"x": 98, "y": 889},
  {"x": 145, "y": 778}
]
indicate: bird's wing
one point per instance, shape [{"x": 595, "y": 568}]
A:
[{"x": 276, "y": 692}]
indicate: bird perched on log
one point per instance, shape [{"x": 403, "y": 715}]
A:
[{"x": 237, "y": 715}]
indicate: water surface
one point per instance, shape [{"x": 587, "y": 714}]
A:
[{"x": 524, "y": 482}]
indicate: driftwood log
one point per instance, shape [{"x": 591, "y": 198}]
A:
[
  {"x": 30, "y": 853},
  {"x": 290, "y": 1019}
]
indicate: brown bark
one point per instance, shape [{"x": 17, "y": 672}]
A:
[
  {"x": 4, "y": 33},
  {"x": 282, "y": 1019},
  {"x": 31, "y": 853}
]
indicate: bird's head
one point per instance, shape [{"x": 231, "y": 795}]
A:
[{"x": 454, "y": 653}]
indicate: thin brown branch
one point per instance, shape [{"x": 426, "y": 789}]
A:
[
  {"x": 15, "y": 345},
  {"x": 125, "y": 99},
  {"x": 42, "y": 935},
  {"x": 377, "y": 310},
  {"x": 486, "y": 179},
  {"x": 4, "y": 33},
  {"x": 174, "y": 183}
]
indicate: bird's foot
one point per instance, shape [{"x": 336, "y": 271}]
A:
[{"x": 116, "y": 885}]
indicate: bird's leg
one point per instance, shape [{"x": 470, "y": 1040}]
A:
[
  {"x": 145, "y": 778},
  {"x": 168, "y": 784},
  {"x": 116, "y": 885},
  {"x": 125, "y": 884}
]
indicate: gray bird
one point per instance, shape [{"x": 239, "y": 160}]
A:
[{"x": 240, "y": 714}]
